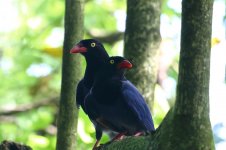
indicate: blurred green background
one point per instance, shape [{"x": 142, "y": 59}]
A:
[{"x": 31, "y": 38}]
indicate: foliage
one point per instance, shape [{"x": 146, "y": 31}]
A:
[{"x": 30, "y": 66}]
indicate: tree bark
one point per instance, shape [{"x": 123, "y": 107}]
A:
[
  {"x": 71, "y": 74},
  {"x": 142, "y": 40},
  {"x": 187, "y": 125},
  {"x": 192, "y": 101}
]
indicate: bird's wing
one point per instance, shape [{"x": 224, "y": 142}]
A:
[
  {"x": 91, "y": 106},
  {"x": 137, "y": 104},
  {"x": 81, "y": 92},
  {"x": 97, "y": 112}
]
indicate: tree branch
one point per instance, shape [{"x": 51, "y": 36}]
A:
[
  {"x": 28, "y": 107},
  {"x": 107, "y": 38}
]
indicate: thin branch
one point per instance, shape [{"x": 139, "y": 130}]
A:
[
  {"x": 107, "y": 38},
  {"x": 8, "y": 119},
  {"x": 28, "y": 107}
]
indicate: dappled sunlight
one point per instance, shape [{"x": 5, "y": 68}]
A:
[
  {"x": 9, "y": 14},
  {"x": 39, "y": 70},
  {"x": 82, "y": 133},
  {"x": 38, "y": 142},
  {"x": 32, "y": 34}
]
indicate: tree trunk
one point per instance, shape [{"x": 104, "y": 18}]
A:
[
  {"x": 142, "y": 40},
  {"x": 71, "y": 73},
  {"x": 192, "y": 103},
  {"x": 187, "y": 125}
]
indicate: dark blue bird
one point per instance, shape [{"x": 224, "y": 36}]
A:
[
  {"x": 115, "y": 103},
  {"x": 95, "y": 55}
]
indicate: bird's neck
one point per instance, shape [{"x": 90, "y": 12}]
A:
[
  {"x": 103, "y": 78},
  {"x": 92, "y": 68},
  {"x": 104, "y": 86},
  {"x": 89, "y": 76}
]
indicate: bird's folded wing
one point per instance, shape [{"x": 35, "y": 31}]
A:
[
  {"x": 80, "y": 93},
  {"x": 137, "y": 104}
]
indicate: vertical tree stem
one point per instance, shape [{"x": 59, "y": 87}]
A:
[
  {"x": 193, "y": 84},
  {"x": 71, "y": 73},
  {"x": 142, "y": 40}
]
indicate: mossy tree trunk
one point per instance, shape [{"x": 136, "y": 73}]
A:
[
  {"x": 142, "y": 39},
  {"x": 71, "y": 74},
  {"x": 187, "y": 125}
]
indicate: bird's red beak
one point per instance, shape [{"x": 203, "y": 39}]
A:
[
  {"x": 125, "y": 64},
  {"x": 78, "y": 49}
]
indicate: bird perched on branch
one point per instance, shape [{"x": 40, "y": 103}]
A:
[
  {"x": 114, "y": 103},
  {"x": 95, "y": 55}
]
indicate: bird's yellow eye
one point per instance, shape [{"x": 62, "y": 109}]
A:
[
  {"x": 93, "y": 44},
  {"x": 112, "y": 61}
]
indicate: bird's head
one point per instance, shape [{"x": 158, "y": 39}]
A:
[
  {"x": 118, "y": 63},
  {"x": 114, "y": 67},
  {"x": 90, "y": 48}
]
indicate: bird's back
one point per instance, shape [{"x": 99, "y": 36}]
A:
[{"x": 120, "y": 107}]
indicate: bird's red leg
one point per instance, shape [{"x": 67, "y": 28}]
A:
[
  {"x": 118, "y": 136},
  {"x": 95, "y": 145}
]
